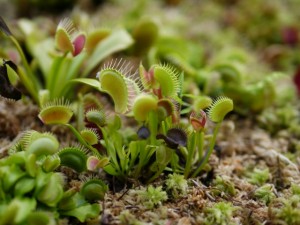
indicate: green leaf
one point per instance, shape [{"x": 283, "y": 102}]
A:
[
  {"x": 111, "y": 170},
  {"x": 40, "y": 51},
  {"x": 10, "y": 175},
  {"x": 24, "y": 185},
  {"x": 163, "y": 157},
  {"x": 73, "y": 72},
  {"x": 4, "y": 28},
  {"x": 17, "y": 211},
  {"x": 40, "y": 217},
  {"x": 59, "y": 78},
  {"x": 92, "y": 82},
  {"x": 84, "y": 212},
  {"x": 12, "y": 75},
  {"x": 117, "y": 41}
]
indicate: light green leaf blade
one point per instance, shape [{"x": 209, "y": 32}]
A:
[
  {"x": 91, "y": 82},
  {"x": 117, "y": 41}
]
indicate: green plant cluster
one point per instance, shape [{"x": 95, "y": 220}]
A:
[
  {"x": 175, "y": 101},
  {"x": 287, "y": 210},
  {"x": 32, "y": 192},
  {"x": 220, "y": 213},
  {"x": 159, "y": 142}
]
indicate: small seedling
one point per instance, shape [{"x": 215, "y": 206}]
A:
[
  {"x": 222, "y": 186},
  {"x": 152, "y": 197},
  {"x": 289, "y": 213},
  {"x": 177, "y": 185},
  {"x": 265, "y": 193},
  {"x": 259, "y": 177},
  {"x": 220, "y": 213}
]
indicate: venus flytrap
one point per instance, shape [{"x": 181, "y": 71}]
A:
[
  {"x": 93, "y": 189},
  {"x": 217, "y": 111},
  {"x": 154, "y": 101},
  {"x": 196, "y": 139},
  {"x": 56, "y": 112},
  {"x": 60, "y": 67},
  {"x": 74, "y": 157},
  {"x": 125, "y": 87},
  {"x": 90, "y": 136},
  {"x": 60, "y": 112},
  {"x": 28, "y": 183},
  {"x": 67, "y": 39}
]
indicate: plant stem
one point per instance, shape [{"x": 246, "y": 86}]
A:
[
  {"x": 209, "y": 151},
  {"x": 153, "y": 121},
  {"x": 28, "y": 80},
  {"x": 191, "y": 153},
  {"x": 80, "y": 112},
  {"x": 82, "y": 141},
  {"x": 200, "y": 138}
]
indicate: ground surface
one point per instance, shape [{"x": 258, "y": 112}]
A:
[{"x": 242, "y": 146}]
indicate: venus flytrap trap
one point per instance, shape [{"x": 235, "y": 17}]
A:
[
  {"x": 67, "y": 39},
  {"x": 74, "y": 157},
  {"x": 93, "y": 189},
  {"x": 56, "y": 112}
]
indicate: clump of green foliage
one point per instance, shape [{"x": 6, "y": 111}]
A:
[
  {"x": 152, "y": 197},
  {"x": 259, "y": 176},
  {"x": 61, "y": 58},
  {"x": 223, "y": 186},
  {"x": 286, "y": 210},
  {"x": 265, "y": 193},
  {"x": 177, "y": 185},
  {"x": 220, "y": 213},
  {"x": 32, "y": 192},
  {"x": 154, "y": 101}
]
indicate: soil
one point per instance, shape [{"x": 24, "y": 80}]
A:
[{"x": 241, "y": 145}]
